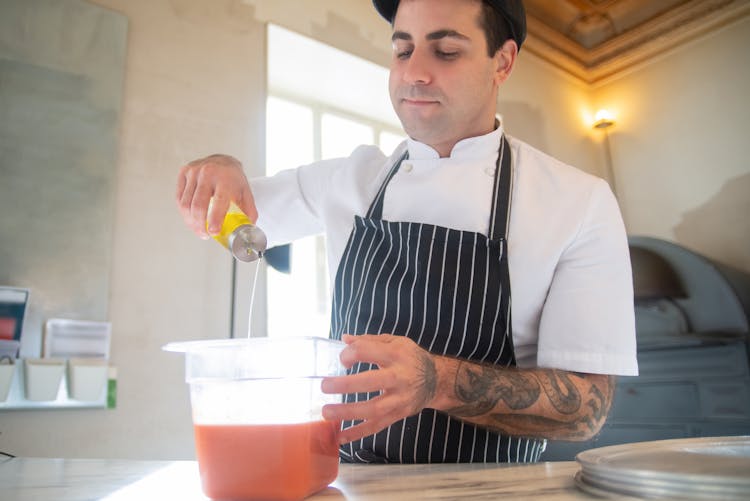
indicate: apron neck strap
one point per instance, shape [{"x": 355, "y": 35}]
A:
[
  {"x": 501, "y": 192},
  {"x": 376, "y": 208}
]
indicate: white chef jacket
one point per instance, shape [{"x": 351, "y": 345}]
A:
[{"x": 571, "y": 282}]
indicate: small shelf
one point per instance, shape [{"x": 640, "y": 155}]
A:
[{"x": 16, "y": 399}]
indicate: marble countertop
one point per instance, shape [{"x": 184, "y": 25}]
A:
[{"x": 40, "y": 479}]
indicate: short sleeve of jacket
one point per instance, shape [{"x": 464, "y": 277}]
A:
[{"x": 587, "y": 322}]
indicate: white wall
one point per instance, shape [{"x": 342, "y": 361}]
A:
[
  {"x": 680, "y": 147},
  {"x": 195, "y": 84},
  {"x": 548, "y": 110}
]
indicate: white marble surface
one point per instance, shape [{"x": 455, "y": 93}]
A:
[{"x": 40, "y": 479}]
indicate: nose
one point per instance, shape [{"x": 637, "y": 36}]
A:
[{"x": 417, "y": 69}]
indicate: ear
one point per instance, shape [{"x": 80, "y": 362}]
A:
[{"x": 505, "y": 60}]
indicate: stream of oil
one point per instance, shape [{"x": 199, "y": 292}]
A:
[{"x": 252, "y": 296}]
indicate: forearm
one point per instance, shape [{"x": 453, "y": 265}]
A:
[{"x": 543, "y": 403}]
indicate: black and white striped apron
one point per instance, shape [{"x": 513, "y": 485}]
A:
[{"x": 447, "y": 290}]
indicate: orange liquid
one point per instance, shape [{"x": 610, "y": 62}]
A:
[{"x": 269, "y": 462}]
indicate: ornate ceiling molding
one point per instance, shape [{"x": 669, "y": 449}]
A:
[{"x": 636, "y": 46}]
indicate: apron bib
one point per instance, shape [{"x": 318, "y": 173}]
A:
[{"x": 449, "y": 291}]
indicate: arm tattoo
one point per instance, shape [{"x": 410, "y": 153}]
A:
[
  {"x": 565, "y": 402},
  {"x": 572, "y": 410},
  {"x": 530, "y": 425},
  {"x": 599, "y": 403},
  {"x": 481, "y": 388},
  {"x": 427, "y": 377}
]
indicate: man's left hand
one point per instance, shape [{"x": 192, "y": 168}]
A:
[{"x": 406, "y": 378}]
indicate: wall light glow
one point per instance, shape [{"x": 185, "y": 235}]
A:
[{"x": 603, "y": 119}]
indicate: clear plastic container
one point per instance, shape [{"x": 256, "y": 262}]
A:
[{"x": 256, "y": 405}]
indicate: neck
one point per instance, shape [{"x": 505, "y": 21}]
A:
[{"x": 445, "y": 148}]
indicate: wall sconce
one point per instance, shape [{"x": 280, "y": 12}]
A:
[{"x": 603, "y": 120}]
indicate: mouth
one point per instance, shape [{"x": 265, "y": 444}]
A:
[{"x": 418, "y": 102}]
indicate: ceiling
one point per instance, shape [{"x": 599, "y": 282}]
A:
[{"x": 595, "y": 40}]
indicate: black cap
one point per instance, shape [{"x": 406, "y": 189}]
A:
[{"x": 511, "y": 10}]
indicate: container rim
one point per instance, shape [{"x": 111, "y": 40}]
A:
[{"x": 202, "y": 344}]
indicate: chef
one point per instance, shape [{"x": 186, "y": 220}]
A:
[{"x": 483, "y": 288}]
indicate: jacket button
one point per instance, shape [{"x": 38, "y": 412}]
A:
[{"x": 407, "y": 167}]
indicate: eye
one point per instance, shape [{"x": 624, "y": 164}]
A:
[
  {"x": 403, "y": 50},
  {"x": 442, "y": 54}
]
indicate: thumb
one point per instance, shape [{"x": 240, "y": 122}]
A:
[{"x": 246, "y": 203}]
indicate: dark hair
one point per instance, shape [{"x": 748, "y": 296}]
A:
[{"x": 496, "y": 29}]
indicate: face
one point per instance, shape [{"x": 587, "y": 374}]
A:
[{"x": 443, "y": 85}]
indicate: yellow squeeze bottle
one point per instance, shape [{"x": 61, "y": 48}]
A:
[{"x": 241, "y": 237}]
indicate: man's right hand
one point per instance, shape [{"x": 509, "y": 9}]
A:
[{"x": 219, "y": 177}]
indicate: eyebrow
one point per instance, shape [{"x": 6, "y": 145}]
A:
[{"x": 435, "y": 35}]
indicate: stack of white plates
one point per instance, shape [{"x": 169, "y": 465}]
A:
[{"x": 715, "y": 468}]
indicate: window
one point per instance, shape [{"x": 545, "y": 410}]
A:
[
  {"x": 339, "y": 136},
  {"x": 320, "y": 116}
]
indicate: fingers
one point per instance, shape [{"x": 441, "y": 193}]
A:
[
  {"x": 361, "y": 430},
  {"x": 199, "y": 208},
  {"x": 363, "y": 382},
  {"x": 351, "y": 411},
  {"x": 373, "y": 411},
  {"x": 186, "y": 183},
  {"x": 405, "y": 380},
  {"x": 215, "y": 217},
  {"x": 219, "y": 177},
  {"x": 375, "y": 349},
  {"x": 181, "y": 182},
  {"x": 246, "y": 203}
]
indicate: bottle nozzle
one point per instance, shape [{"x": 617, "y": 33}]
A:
[{"x": 247, "y": 243}]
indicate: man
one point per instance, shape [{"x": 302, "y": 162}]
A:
[{"x": 425, "y": 245}]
